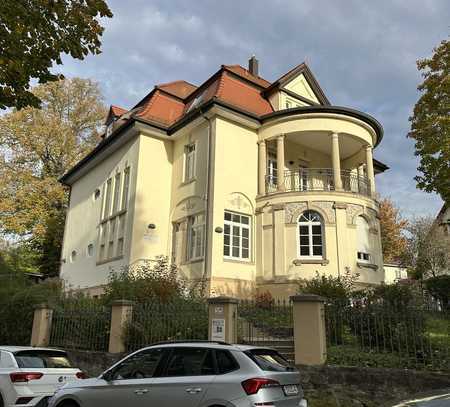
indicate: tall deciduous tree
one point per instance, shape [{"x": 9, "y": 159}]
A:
[
  {"x": 37, "y": 147},
  {"x": 392, "y": 231},
  {"x": 430, "y": 123},
  {"x": 427, "y": 248},
  {"x": 33, "y": 36}
]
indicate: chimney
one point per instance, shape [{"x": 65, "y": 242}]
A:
[{"x": 253, "y": 65}]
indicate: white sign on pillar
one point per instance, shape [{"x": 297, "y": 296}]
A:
[{"x": 218, "y": 330}]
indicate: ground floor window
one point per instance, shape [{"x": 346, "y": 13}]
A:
[
  {"x": 196, "y": 237},
  {"x": 311, "y": 239},
  {"x": 363, "y": 243},
  {"x": 236, "y": 238}
]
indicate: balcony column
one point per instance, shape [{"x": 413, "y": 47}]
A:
[
  {"x": 336, "y": 159},
  {"x": 262, "y": 164},
  {"x": 369, "y": 167},
  {"x": 280, "y": 163}
]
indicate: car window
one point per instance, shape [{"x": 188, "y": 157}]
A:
[
  {"x": 225, "y": 362},
  {"x": 190, "y": 362},
  {"x": 141, "y": 365},
  {"x": 39, "y": 359},
  {"x": 270, "y": 360}
]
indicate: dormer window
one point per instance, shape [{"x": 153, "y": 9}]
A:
[{"x": 109, "y": 129}]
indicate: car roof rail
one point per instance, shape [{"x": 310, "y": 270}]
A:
[{"x": 189, "y": 341}]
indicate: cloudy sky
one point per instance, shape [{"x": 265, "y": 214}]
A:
[{"x": 362, "y": 52}]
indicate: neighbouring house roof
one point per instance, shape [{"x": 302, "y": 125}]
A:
[
  {"x": 114, "y": 113},
  {"x": 169, "y": 106},
  {"x": 379, "y": 166}
]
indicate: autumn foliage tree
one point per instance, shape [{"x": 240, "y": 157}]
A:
[
  {"x": 33, "y": 36},
  {"x": 430, "y": 123},
  {"x": 37, "y": 147},
  {"x": 392, "y": 226}
]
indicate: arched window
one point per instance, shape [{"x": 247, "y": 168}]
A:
[
  {"x": 363, "y": 243},
  {"x": 311, "y": 236}
]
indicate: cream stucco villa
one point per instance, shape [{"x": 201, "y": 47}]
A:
[{"x": 247, "y": 184}]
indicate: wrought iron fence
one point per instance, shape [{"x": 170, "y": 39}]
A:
[
  {"x": 162, "y": 321},
  {"x": 84, "y": 327},
  {"x": 318, "y": 179},
  {"x": 382, "y": 335},
  {"x": 265, "y": 321}
]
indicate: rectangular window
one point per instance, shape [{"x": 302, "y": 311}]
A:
[
  {"x": 236, "y": 237},
  {"x": 272, "y": 169},
  {"x": 365, "y": 257},
  {"x": 116, "y": 192},
  {"x": 126, "y": 187},
  {"x": 107, "y": 204},
  {"x": 196, "y": 237},
  {"x": 110, "y": 249},
  {"x": 189, "y": 162},
  {"x": 102, "y": 252},
  {"x": 120, "y": 246}
]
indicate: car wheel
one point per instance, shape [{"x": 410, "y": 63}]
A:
[{"x": 68, "y": 404}]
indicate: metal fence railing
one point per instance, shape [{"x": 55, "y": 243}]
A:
[
  {"x": 265, "y": 321},
  {"x": 318, "y": 179},
  {"x": 81, "y": 327},
  {"x": 163, "y": 321},
  {"x": 381, "y": 335}
]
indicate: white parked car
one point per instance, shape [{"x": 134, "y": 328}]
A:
[{"x": 30, "y": 376}]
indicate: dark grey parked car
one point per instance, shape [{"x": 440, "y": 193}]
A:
[{"x": 190, "y": 374}]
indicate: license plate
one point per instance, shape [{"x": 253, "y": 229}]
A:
[{"x": 290, "y": 390}]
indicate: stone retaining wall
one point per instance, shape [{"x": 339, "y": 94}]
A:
[{"x": 326, "y": 386}]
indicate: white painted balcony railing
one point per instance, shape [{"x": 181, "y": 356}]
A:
[{"x": 318, "y": 179}]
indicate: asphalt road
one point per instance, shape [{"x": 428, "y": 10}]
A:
[{"x": 442, "y": 400}]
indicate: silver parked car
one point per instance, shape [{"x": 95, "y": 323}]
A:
[{"x": 190, "y": 374}]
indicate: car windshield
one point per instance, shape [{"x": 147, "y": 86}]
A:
[
  {"x": 39, "y": 359},
  {"x": 270, "y": 360}
]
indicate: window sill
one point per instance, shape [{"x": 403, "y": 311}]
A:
[
  {"x": 367, "y": 265},
  {"x": 299, "y": 262},
  {"x": 187, "y": 262},
  {"x": 114, "y": 215},
  {"x": 248, "y": 262},
  {"x": 99, "y": 263},
  {"x": 188, "y": 182}
]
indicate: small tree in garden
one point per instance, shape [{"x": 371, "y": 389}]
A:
[
  {"x": 427, "y": 250},
  {"x": 151, "y": 280},
  {"x": 392, "y": 226},
  {"x": 439, "y": 288},
  {"x": 335, "y": 289}
]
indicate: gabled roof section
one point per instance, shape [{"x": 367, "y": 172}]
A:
[
  {"x": 227, "y": 86},
  {"x": 297, "y": 71},
  {"x": 161, "y": 108},
  {"x": 114, "y": 112},
  {"x": 245, "y": 74},
  {"x": 180, "y": 89}
]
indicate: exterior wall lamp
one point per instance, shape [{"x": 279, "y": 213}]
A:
[
  {"x": 218, "y": 229},
  {"x": 151, "y": 226}
]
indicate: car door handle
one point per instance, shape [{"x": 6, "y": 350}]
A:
[
  {"x": 194, "y": 390},
  {"x": 140, "y": 391}
]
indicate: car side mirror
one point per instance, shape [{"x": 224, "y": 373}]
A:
[{"x": 108, "y": 375}]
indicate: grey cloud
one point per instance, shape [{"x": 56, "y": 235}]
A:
[{"x": 363, "y": 54}]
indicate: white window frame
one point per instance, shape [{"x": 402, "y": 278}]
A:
[
  {"x": 363, "y": 256},
  {"x": 190, "y": 162},
  {"x": 195, "y": 237},
  {"x": 232, "y": 224},
  {"x": 272, "y": 168},
  {"x": 116, "y": 194},
  {"x": 125, "y": 188},
  {"x": 310, "y": 225}
]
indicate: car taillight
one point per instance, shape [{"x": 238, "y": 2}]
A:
[
  {"x": 252, "y": 386},
  {"x": 81, "y": 375},
  {"x": 23, "y": 377}
]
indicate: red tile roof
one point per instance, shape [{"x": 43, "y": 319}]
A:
[
  {"x": 118, "y": 111},
  {"x": 180, "y": 89},
  {"x": 169, "y": 102}
]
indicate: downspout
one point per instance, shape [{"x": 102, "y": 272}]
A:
[{"x": 207, "y": 204}]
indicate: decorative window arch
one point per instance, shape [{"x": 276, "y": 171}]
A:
[
  {"x": 363, "y": 236},
  {"x": 311, "y": 235}
]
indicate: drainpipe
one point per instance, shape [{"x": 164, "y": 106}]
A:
[{"x": 207, "y": 200}]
